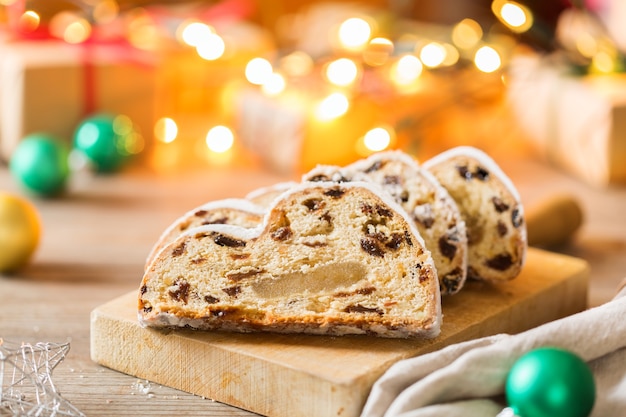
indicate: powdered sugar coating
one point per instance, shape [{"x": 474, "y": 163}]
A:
[
  {"x": 482, "y": 157},
  {"x": 240, "y": 211},
  {"x": 264, "y": 196},
  {"x": 251, "y": 233}
]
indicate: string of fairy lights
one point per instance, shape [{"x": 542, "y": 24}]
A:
[{"x": 358, "y": 48}]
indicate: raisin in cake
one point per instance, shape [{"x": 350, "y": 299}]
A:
[
  {"x": 428, "y": 204},
  {"x": 328, "y": 258},
  {"x": 235, "y": 211},
  {"x": 491, "y": 207}
]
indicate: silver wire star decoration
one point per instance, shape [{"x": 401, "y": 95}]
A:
[{"x": 26, "y": 387}]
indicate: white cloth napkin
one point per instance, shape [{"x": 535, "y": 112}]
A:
[{"x": 467, "y": 379}]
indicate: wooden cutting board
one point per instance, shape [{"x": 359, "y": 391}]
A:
[{"x": 298, "y": 376}]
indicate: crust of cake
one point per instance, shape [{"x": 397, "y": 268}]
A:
[
  {"x": 492, "y": 209},
  {"x": 235, "y": 211},
  {"x": 265, "y": 196},
  {"x": 328, "y": 258}
]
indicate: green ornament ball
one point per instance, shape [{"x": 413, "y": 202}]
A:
[
  {"x": 39, "y": 163},
  {"x": 106, "y": 140},
  {"x": 548, "y": 382}
]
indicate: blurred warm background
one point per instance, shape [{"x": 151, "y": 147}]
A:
[{"x": 287, "y": 85}]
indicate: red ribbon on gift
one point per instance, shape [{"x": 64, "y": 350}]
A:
[{"x": 113, "y": 39}]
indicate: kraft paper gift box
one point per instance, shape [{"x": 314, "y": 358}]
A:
[
  {"x": 577, "y": 123},
  {"x": 51, "y": 86}
]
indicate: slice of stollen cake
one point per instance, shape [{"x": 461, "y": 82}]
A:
[
  {"x": 491, "y": 207},
  {"x": 328, "y": 258},
  {"x": 235, "y": 211},
  {"x": 427, "y": 203}
]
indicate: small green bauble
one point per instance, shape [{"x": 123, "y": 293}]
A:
[
  {"x": 40, "y": 164},
  {"x": 549, "y": 382},
  {"x": 104, "y": 139}
]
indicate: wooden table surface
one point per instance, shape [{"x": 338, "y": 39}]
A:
[{"x": 96, "y": 238}]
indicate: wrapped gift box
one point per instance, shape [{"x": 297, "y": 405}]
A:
[
  {"x": 272, "y": 129},
  {"x": 577, "y": 123},
  {"x": 50, "y": 86}
]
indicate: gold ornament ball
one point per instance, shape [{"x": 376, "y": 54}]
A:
[{"x": 20, "y": 229}]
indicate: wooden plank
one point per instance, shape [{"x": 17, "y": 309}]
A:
[{"x": 292, "y": 376}]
